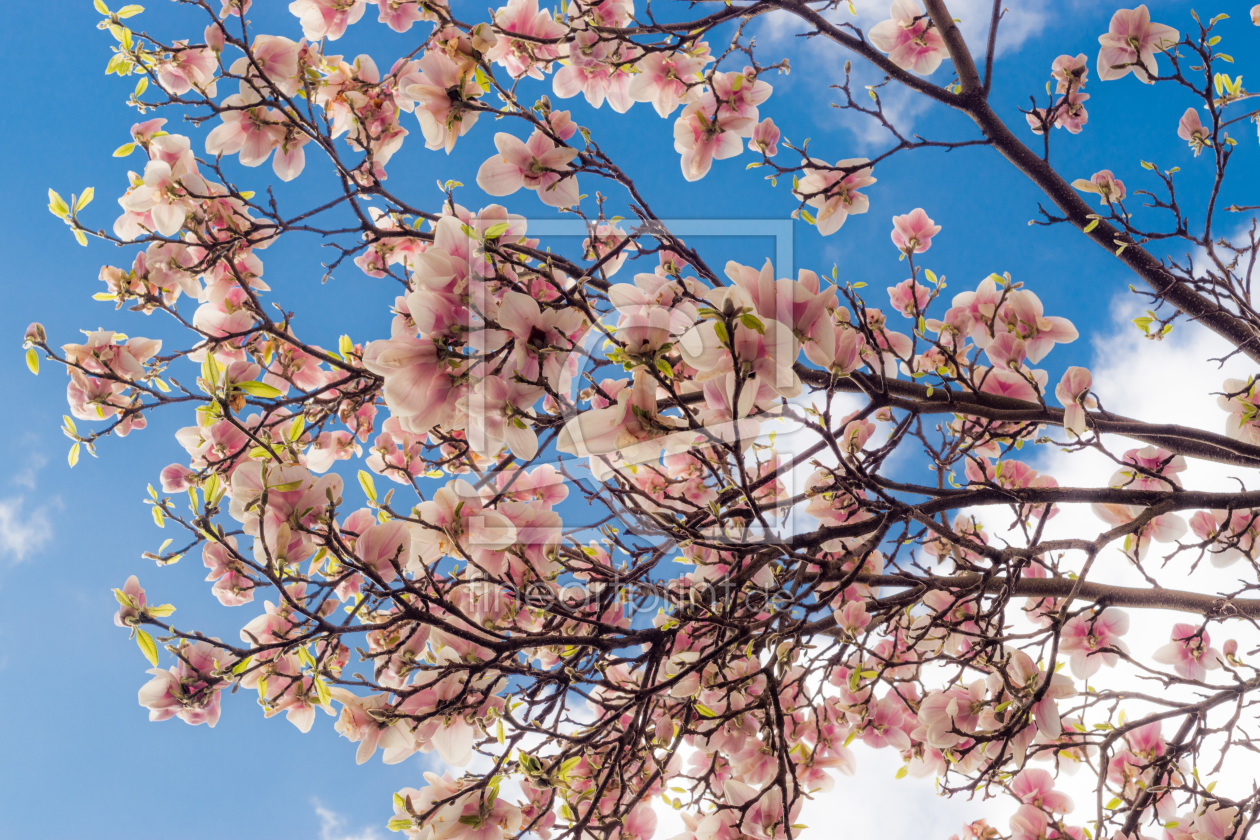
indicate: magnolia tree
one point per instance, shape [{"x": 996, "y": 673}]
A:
[{"x": 739, "y": 609}]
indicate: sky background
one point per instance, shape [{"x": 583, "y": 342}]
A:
[{"x": 82, "y": 758}]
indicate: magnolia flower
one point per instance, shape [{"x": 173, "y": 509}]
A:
[
  {"x": 1106, "y": 186},
  {"x": 537, "y": 164},
  {"x": 1192, "y": 130},
  {"x": 1190, "y": 652},
  {"x": 1072, "y": 393},
  {"x": 327, "y": 18},
  {"x": 1243, "y": 404},
  {"x": 910, "y": 39},
  {"x": 833, "y": 190},
  {"x": 1130, "y": 45},
  {"x": 440, "y": 91},
  {"x": 765, "y": 138},
  {"x": 1091, "y": 641},
  {"x": 132, "y": 603},
  {"x": 1069, "y": 72},
  {"x": 667, "y": 79},
  {"x": 913, "y": 232},
  {"x": 1034, "y": 786},
  {"x": 702, "y": 137}
]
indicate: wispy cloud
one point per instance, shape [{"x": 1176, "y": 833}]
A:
[
  {"x": 824, "y": 59},
  {"x": 332, "y": 826},
  {"x": 24, "y": 529}
]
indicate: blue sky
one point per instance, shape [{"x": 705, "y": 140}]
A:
[{"x": 82, "y": 759}]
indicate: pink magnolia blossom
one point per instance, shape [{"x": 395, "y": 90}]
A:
[
  {"x": 1215, "y": 823},
  {"x": 668, "y": 79},
  {"x": 1130, "y": 45},
  {"x": 630, "y": 428},
  {"x": 1106, "y": 186},
  {"x": 908, "y": 297},
  {"x": 913, "y": 232},
  {"x": 1239, "y": 398},
  {"x": 163, "y": 198},
  {"x": 1087, "y": 639},
  {"x": 594, "y": 70},
  {"x": 455, "y": 520},
  {"x": 327, "y": 18},
  {"x": 1072, "y": 392},
  {"x": 525, "y": 57},
  {"x": 232, "y": 584},
  {"x": 909, "y": 39},
  {"x": 1069, "y": 72},
  {"x": 188, "y": 68},
  {"x": 132, "y": 603},
  {"x": 248, "y": 129},
  {"x": 701, "y": 137},
  {"x": 537, "y": 164},
  {"x": 1034, "y": 786},
  {"x": 1190, "y": 652},
  {"x": 440, "y": 90},
  {"x": 1193, "y": 131},
  {"x": 399, "y": 15},
  {"x": 189, "y": 690},
  {"x": 765, "y": 138},
  {"x": 833, "y": 190}
]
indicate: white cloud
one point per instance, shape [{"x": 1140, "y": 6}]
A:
[
  {"x": 824, "y": 59},
  {"x": 332, "y": 826},
  {"x": 1020, "y": 21},
  {"x": 1161, "y": 382},
  {"x": 22, "y": 531}
]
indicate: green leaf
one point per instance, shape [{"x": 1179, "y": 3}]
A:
[
  {"x": 142, "y": 85},
  {"x": 322, "y": 692},
  {"x": 400, "y": 824},
  {"x": 259, "y": 389},
  {"x": 495, "y": 231},
  {"x": 368, "y": 485},
  {"x": 130, "y": 10},
  {"x": 85, "y": 199},
  {"x": 1091, "y": 226},
  {"x": 239, "y": 667},
  {"x": 57, "y": 205},
  {"x": 161, "y": 610},
  {"x": 158, "y": 518},
  {"x": 752, "y": 322},
  {"x": 32, "y": 361},
  {"x": 80, "y": 237},
  {"x": 147, "y": 646},
  {"x": 100, "y": 6},
  {"x": 73, "y": 457}
]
